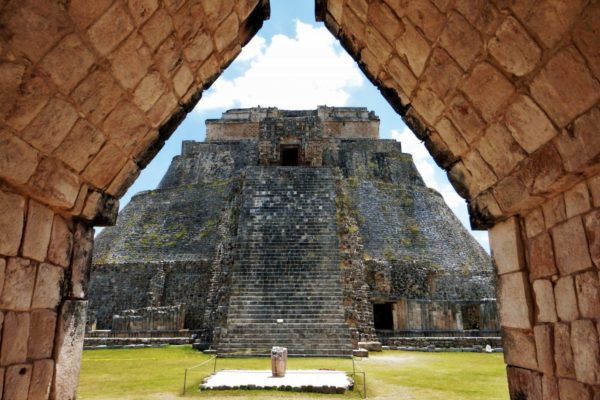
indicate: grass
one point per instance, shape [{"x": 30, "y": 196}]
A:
[{"x": 158, "y": 374}]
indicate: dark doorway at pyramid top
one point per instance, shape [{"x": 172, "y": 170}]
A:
[
  {"x": 231, "y": 243},
  {"x": 289, "y": 156}
]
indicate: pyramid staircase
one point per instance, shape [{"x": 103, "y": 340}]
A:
[{"x": 288, "y": 267}]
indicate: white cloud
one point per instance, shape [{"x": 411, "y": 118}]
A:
[{"x": 298, "y": 72}]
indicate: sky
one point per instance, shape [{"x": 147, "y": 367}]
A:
[{"x": 294, "y": 62}]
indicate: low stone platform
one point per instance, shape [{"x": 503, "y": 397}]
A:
[{"x": 319, "y": 381}]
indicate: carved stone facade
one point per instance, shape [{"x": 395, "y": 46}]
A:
[{"x": 304, "y": 204}]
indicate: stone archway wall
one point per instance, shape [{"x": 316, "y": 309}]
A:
[
  {"x": 89, "y": 92},
  {"x": 505, "y": 96}
]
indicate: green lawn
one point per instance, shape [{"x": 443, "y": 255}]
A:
[{"x": 158, "y": 374}]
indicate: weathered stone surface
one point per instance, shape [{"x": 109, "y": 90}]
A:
[
  {"x": 523, "y": 116},
  {"x": 18, "y": 159},
  {"x": 69, "y": 344},
  {"x": 199, "y": 49},
  {"x": 126, "y": 123},
  {"x": 592, "y": 230},
  {"x": 585, "y": 37},
  {"x": 16, "y": 381},
  {"x": 142, "y": 9},
  {"x": 570, "y": 246},
  {"x": 80, "y": 145},
  {"x": 519, "y": 348},
  {"x": 68, "y": 63},
  {"x": 544, "y": 300},
  {"x": 83, "y": 13},
  {"x": 15, "y": 334},
  {"x": 51, "y": 125},
  {"x": 130, "y": 62},
  {"x": 586, "y": 351},
  {"x": 465, "y": 118},
  {"x": 82, "y": 259},
  {"x": 573, "y": 390},
  {"x": 226, "y": 32},
  {"x": 514, "y": 49},
  {"x": 577, "y": 200},
  {"x": 97, "y": 94},
  {"x": 110, "y": 29},
  {"x": 524, "y": 384},
  {"x": 483, "y": 79},
  {"x": 146, "y": 94},
  {"x": 500, "y": 150},
  {"x": 41, "y": 334},
  {"x": 105, "y": 166},
  {"x": 544, "y": 345},
  {"x": 587, "y": 286},
  {"x": 18, "y": 284},
  {"x": 182, "y": 80},
  {"x": 579, "y": 145},
  {"x": 552, "y": 19},
  {"x": 61, "y": 242},
  {"x": 515, "y": 301},
  {"x": 563, "y": 354},
  {"x": 41, "y": 379},
  {"x": 565, "y": 87},
  {"x": 157, "y": 29},
  {"x": 461, "y": 40},
  {"x": 12, "y": 214},
  {"x": 56, "y": 184},
  {"x": 37, "y": 231},
  {"x": 554, "y": 211},
  {"x": 507, "y": 247},
  {"x": 566, "y": 300},
  {"x": 549, "y": 387},
  {"x": 48, "y": 284},
  {"x": 541, "y": 257}
]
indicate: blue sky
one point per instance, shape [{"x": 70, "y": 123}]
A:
[{"x": 295, "y": 63}]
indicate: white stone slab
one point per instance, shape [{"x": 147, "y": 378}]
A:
[{"x": 325, "y": 381}]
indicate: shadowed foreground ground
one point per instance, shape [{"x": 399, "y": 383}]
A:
[{"x": 158, "y": 374}]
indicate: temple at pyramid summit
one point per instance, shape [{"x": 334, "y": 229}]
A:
[{"x": 299, "y": 229}]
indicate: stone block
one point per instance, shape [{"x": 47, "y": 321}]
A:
[
  {"x": 148, "y": 91},
  {"x": 381, "y": 16},
  {"x": 182, "y": 80},
  {"x": 514, "y": 49},
  {"x": 563, "y": 354},
  {"x": 482, "y": 175},
  {"x": 461, "y": 40},
  {"x": 565, "y": 87},
  {"x": 500, "y": 150},
  {"x": 587, "y": 287},
  {"x": 554, "y": 211},
  {"x": 427, "y": 104},
  {"x": 97, "y": 95},
  {"x": 377, "y": 44},
  {"x": 124, "y": 179},
  {"x": 216, "y": 12},
  {"x": 484, "y": 79},
  {"x": 586, "y": 351},
  {"x": 524, "y": 384},
  {"x": 544, "y": 345},
  {"x": 12, "y": 215},
  {"x": 82, "y": 259},
  {"x": 55, "y": 184},
  {"x": 577, "y": 200},
  {"x": 585, "y": 36},
  {"x": 425, "y": 16},
  {"x": 566, "y": 300},
  {"x": 515, "y": 301},
  {"x": 68, "y": 63},
  {"x": 61, "y": 242},
  {"x": 199, "y": 49},
  {"x": 163, "y": 109},
  {"x": 51, "y": 125},
  {"x": 19, "y": 159},
  {"x": 544, "y": 300},
  {"x": 573, "y": 390},
  {"x": 105, "y": 166},
  {"x": 512, "y": 195},
  {"x": 41, "y": 379},
  {"x": 37, "y": 231},
  {"x": 110, "y": 29},
  {"x": 131, "y": 61},
  {"x": 413, "y": 46},
  {"x": 226, "y": 32},
  {"x": 370, "y": 346},
  {"x": 441, "y": 74},
  {"x": 570, "y": 246},
  {"x": 141, "y": 10},
  {"x": 551, "y": 20},
  {"x": 541, "y": 171},
  {"x": 453, "y": 139},
  {"x": 507, "y": 246},
  {"x": 15, "y": 333},
  {"x": 41, "y": 334},
  {"x": 522, "y": 118},
  {"x": 592, "y": 230},
  {"x": 83, "y": 13},
  {"x": 465, "y": 118},
  {"x": 402, "y": 75},
  {"x": 519, "y": 348},
  {"x": 126, "y": 124},
  {"x": 16, "y": 382},
  {"x": 48, "y": 285},
  {"x": 67, "y": 354},
  {"x": 18, "y": 284},
  {"x": 579, "y": 145},
  {"x": 594, "y": 185},
  {"x": 80, "y": 145},
  {"x": 541, "y": 257},
  {"x": 534, "y": 223},
  {"x": 360, "y": 8},
  {"x": 549, "y": 387},
  {"x": 157, "y": 29}
]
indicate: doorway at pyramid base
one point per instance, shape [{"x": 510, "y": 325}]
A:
[{"x": 299, "y": 229}]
